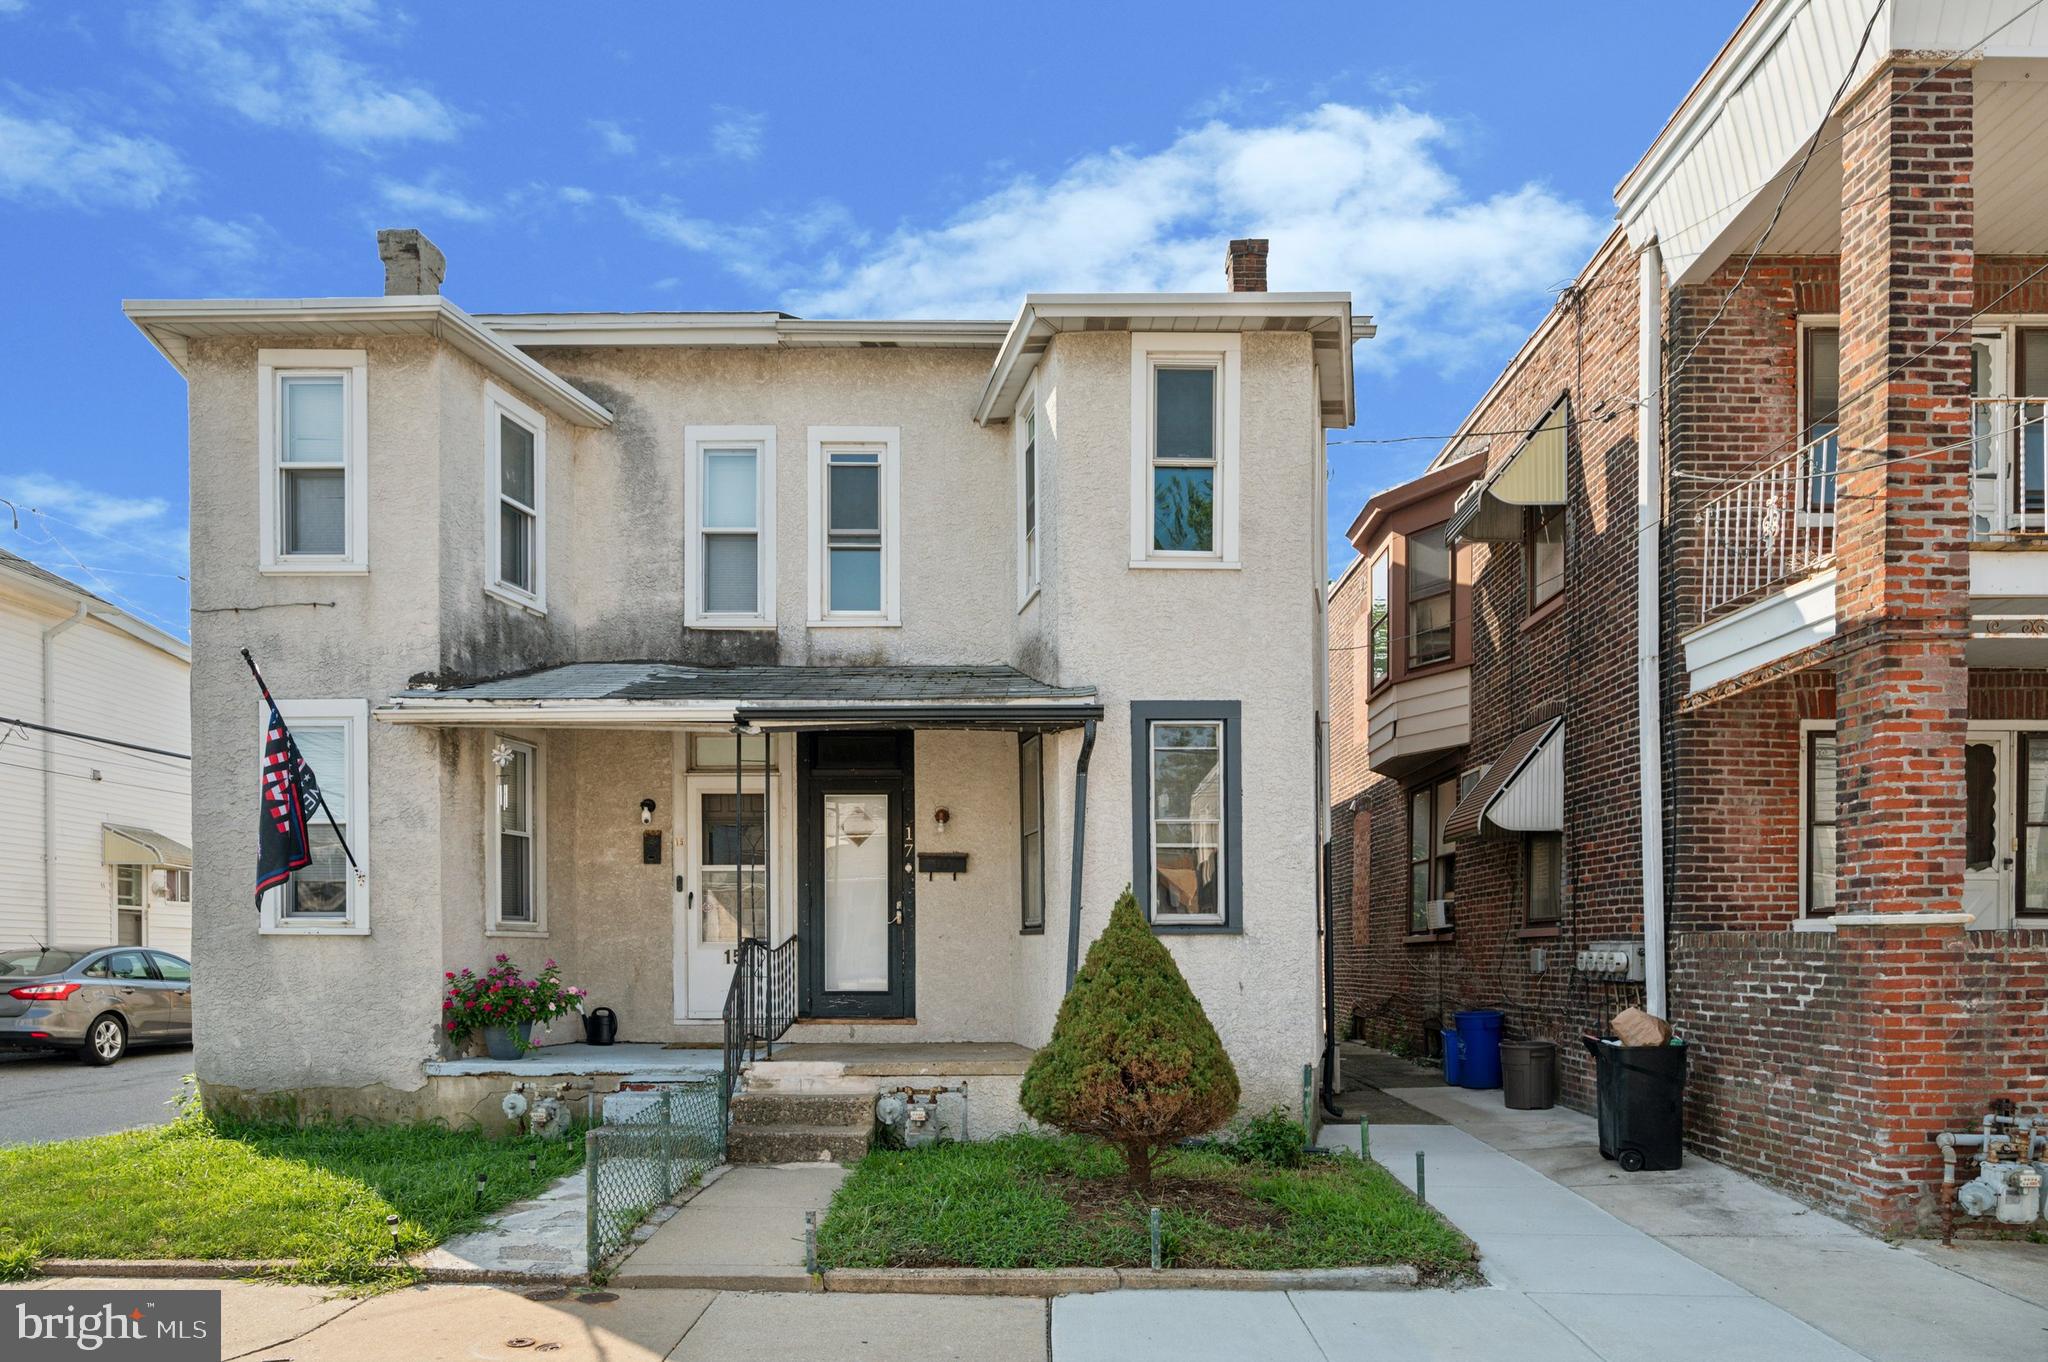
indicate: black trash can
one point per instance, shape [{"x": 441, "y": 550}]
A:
[
  {"x": 1642, "y": 1103},
  {"x": 601, "y": 1026},
  {"x": 1528, "y": 1070}
]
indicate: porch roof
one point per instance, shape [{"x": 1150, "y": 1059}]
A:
[{"x": 677, "y": 694}]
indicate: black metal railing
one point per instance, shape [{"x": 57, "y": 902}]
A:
[{"x": 760, "y": 1004}]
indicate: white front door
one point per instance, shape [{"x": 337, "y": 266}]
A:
[
  {"x": 721, "y": 886},
  {"x": 1990, "y": 781}
]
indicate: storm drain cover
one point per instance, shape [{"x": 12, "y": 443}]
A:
[
  {"x": 598, "y": 1297},
  {"x": 548, "y": 1293}
]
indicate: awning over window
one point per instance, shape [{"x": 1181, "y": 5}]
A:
[
  {"x": 125, "y": 844},
  {"x": 1491, "y": 511},
  {"x": 1523, "y": 791}
]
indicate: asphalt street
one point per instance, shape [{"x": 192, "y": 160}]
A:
[{"x": 54, "y": 1097}]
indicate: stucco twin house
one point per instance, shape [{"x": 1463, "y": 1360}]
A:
[{"x": 876, "y": 657}]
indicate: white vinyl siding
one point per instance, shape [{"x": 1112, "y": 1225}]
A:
[
  {"x": 313, "y": 437},
  {"x": 856, "y": 501},
  {"x": 325, "y": 898},
  {"x": 516, "y": 496},
  {"x": 729, "y": 557}
]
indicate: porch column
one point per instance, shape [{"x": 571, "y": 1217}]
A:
[{"x": 1902, "y": 510}]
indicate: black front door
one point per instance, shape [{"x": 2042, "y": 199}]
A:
[{"x": 855, "y": 889}]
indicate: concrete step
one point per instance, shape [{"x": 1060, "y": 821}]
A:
[
  {"x": 794, "y": 1144},
  {"x": 850, "y": 1110}
]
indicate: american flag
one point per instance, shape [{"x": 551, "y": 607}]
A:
[{"x": 291, "y": 795}]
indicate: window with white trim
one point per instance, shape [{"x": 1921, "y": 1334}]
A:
[
  {"x": 1184, "y": 438},
  {"x": 312, "y": 423},
  {"x": 129, "y": 905},
  {"x": 515, "y": 869},
  {"x": 326, "y": 898},
  {"x": 729, "y": 562},
  {"x": 178, "y": 885},
  {"x": 855, "y": 500},
  {"x": 1027, "y": 498},
  {"x": 517, "y": 482}
]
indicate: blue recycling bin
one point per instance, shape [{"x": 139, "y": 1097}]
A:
[
  {"x": 1479, "y": 1038},
  {"x": 1454, "y": 1054}
]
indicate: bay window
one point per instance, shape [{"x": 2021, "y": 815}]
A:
[{"x": 1429, "y": 597}]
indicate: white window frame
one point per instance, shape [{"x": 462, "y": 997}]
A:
[
  {"x": 354, "y": 716},
  {"x": 1031, "y": 494},
  {"x": 353, "y": 368},
  {"x": 1151, "y": 351},
  {"x": 536, "y": 751},
  {"x": 761, "y": 439},
  {"x": 499, "y": 403},
  {"x": 886, "y": 441}
]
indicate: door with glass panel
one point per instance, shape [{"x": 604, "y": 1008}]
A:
[
  {"x": 722, "y": 887},
  {"x": 2030, "y": 830},
  {"x": 854, "y": 880},
  {"x": 1988, "y": 864}
]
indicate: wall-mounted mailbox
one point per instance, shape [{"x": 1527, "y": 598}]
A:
[
  {"x": 650, "y": 848},
  {"x": 930, "y": 863}
]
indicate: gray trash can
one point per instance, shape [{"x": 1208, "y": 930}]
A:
[{"x": 1528, "y": 1070}]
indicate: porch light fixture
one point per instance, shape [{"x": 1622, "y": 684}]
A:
[{"x": 646, "y": 811}]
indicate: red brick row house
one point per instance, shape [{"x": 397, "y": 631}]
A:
[{"x": 1752, "y": 729}]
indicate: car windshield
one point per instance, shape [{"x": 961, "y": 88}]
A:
[{"x": 29, "y": 963}]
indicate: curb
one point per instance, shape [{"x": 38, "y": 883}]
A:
[
  {"x": 227, "y": 1269},
  {"x": 970, "y": 1281}
]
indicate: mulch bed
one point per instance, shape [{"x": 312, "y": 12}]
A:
[{"x": 1218, "y": 1203}]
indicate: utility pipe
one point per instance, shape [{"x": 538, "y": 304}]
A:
[
  {"x": 1080, "y": 846},
  {"x": 75, "y": 618},
  {"x": 1649, "y": 720}
]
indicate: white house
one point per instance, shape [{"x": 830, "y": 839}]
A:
[
  {"x": 95, "y": 781},
  {"x": 1007, "y": 614}
]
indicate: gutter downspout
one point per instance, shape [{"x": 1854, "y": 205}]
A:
[
  {"x": 1326, "y": 1096},
  {"x": 50, "y": 634},
  {"x": 1080, "y": 846},
  {"x": 1649, "y": 721}
]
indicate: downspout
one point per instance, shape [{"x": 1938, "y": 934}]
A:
[
  {"x": 1080, "y": 846},
  {"x": 1649, "y": 721},
  {"x": 50, "y": 634},
  {"x": 1326, "y": 1099}
]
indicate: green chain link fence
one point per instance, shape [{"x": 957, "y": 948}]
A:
[{"x": 641, "y": 1157}]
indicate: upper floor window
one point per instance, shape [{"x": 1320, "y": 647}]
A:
[
  {"x": 1185, "y": 834},
  {"x": 1820, "y": 402},
  {"x": 326, "y": 897},
  {"x": 515, "y": 860},
  {"x": 1429, "y": 597},
  {"x": 1027, "y": 498},
  {"x": 1543, "y": 553},
  {"x": 855, "y": 550},
  {"x": 729, "y": 560},
  {"x": 517, "y": 478},
  {"x": 1184, "y": 403},
  {"x": 312, "y": 421},
  {"x": 1379, "y": 628}
]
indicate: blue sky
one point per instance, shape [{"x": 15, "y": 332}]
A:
[{"x": 1449, "y": 164}]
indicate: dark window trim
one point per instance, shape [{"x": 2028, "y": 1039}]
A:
[
  {"x": 1529, "y": 921},
  {"x": 1813, "y": 825},
  {"x": 2023, "y": 826},
  {"x": 1533, "y": 520},
  {"x": 1025, "y": 925},
  {"x": 1409, "y": 599},
  {"x": 1428, "y": 786},
  {"x": 1230, "y": 713},
  {"x": 1379, "y": 619}
]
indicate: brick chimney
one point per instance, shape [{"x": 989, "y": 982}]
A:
[
  {"x": 1247, "y": 268},
  {"x": 414, "y": 265}
]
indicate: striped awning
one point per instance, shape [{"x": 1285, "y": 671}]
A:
[
  {"x": 126, "y": 844},
  {"x": 1523, "y": 791},
  {"x": 1491, "y": 511}
]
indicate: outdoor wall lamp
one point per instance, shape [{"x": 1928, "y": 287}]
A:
[{"x": 646, "y": 811}]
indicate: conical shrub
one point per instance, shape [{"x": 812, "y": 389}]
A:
[{"x": 1132, "y": 1059}]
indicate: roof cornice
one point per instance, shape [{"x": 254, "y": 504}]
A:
[{"x": 732, "y": 328}]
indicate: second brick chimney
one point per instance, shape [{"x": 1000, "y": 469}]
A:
[
  {"x": 414, "y": 265},
  {"x": 1247, "y": 268}
]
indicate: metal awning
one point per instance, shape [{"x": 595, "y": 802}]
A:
[
  {"x": 1523, "y": 791},
  {"x": 676, "y": 695},
  {"x": 124, "y": 844},
  {"x": 1491, "y": 511}
]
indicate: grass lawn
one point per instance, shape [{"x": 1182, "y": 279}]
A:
[
  {"x": 199, "y": 1188},
  {"x": 1033, "y": 1201}
]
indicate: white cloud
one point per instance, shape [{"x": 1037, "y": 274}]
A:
[
  {"x": 576, "y": 194},
  {"x": 288, "y": 64},
  {"x": 10, "y": 8},
  {"x": 235, "y": 256},
  {"x": 738, "y": 134},
  {"x": 57, "y": 159},
  {"x": 432, "y": 198},
  {"x": 771, "y": 252},
  {"x": 615, "y": 140},
  {"x": 1352, "y": 198},
  {"x": 128, "y": 549}
]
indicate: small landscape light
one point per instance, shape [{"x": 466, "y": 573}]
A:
[
  {"x": 391, "y": 1223},
  {"x": 481, "y": 1179}
]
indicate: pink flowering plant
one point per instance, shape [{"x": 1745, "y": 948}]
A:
[{"x": 501, "y": 996}]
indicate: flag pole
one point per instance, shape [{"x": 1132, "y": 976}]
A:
[{"x": 264, "y": 686}]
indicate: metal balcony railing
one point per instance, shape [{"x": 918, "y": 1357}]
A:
[
  {"x": 2006, "y": 466},
  {"x": 1773, "y": 526}
]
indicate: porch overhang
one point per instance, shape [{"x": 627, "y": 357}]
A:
[
  {"x": 1522, "y": 791},
  {"x": 1534, "y": 475},
  {"x": 126, "y": 844},
  {"x": 676, "y": 695}
]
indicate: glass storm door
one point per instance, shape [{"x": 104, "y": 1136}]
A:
[
  {"x": 722, "y": 889},
  {"x": 1989, "y": 781},
  {"x": 856, "y": 900}
]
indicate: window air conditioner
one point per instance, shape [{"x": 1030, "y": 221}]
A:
[{"x": 1439, "y": 914}]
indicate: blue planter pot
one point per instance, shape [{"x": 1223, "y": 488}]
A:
[{"x": 502, "y": 1042}]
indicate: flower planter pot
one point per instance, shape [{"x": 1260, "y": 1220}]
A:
[{"x": 504, "y": 1042}]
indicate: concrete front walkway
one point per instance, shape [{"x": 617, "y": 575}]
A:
[{"x": 744, "y": 1231}]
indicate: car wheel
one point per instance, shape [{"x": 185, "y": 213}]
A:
[{"x": 106, "y": 1040}]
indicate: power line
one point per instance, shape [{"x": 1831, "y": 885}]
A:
[{"x": 96, "y": 738}]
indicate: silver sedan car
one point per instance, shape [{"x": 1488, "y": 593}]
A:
[{"x": 98, "y": 1000}]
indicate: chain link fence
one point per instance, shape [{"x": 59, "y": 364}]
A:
[{"x": 644, "y": 1154}]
